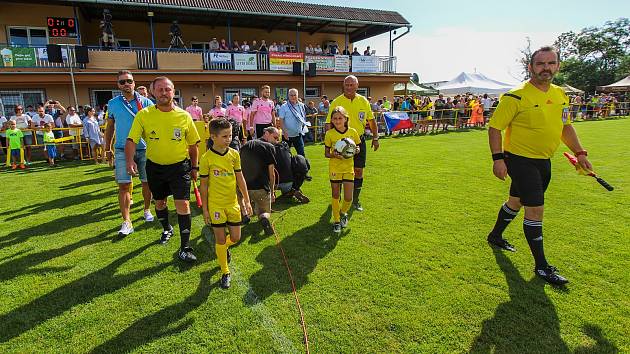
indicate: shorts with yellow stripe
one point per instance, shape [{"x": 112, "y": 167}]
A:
[
  {"x": 339, "y": 177},
  {"x": 225, "y": 216}
]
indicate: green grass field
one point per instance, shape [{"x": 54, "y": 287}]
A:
[{"x": 413, "y": 273}]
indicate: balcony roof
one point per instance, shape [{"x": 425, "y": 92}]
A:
[{"x": 270, "y": 14}]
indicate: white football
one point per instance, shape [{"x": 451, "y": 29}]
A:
[{"x": 346, "y": 147}]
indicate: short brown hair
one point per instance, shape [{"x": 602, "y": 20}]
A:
[
  {"x": 160, "y": 78},
  {"x": 219, "y": 124},
  {"x": 265, "y": 87}
]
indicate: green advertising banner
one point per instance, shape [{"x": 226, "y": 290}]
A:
[{"x": 17, "y": 57}]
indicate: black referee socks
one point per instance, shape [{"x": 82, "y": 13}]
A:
[
  {"x": 162, "y": 216},
  {"x": 534, "y": 236},
  {"x": 184, "y": 222},
  {"x": 506, "y": 215},
  {"x": 358, "y": 184}
]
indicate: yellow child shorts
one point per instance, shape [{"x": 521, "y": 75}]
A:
[{"x": 222, "y": 216}]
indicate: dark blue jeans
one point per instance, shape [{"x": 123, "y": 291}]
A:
[{"x": 298, "y": 143}]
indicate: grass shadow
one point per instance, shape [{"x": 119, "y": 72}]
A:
[
  {"x": 528, "y": 322},
  {"x": 80, "y": 291},
  {"x": 303, "y": 249},
  {"x": 54, "y": 204},
  {"x": 158, "y": 325}
]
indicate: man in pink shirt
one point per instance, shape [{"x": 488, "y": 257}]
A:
[
  {"x": 217, "y": 110},
  {"x": 262, "y": 112},
  {"x": 195, "y": 111},
  {"x": 236, "y": 115}
]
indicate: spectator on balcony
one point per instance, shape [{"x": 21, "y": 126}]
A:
[
  {"x": 367, "y": 52},
  {"x": 308, "y": 50},
  {"x": 355, "y": 52},
  {"x": 263, "y": 46},
  {"x": 217, "y": 111},
  {"x": 254, "y": 47},
  {"x": 334, "y": 49},
  {"x": 195, "y": 111},
  {"x": 214, "y": 45},
  {"x": 273, "y": 47},
  {"x": 262, "y": 112},
  {"x": 282, "y": 47},
  {"x": 245, "y": 47},
  {"x": 23, "y": 122},
  {"x": 291, "y": 48},
  {"x": 236, "y": 47},
  {"x": 346, "y": 51},
  {"x": 223, "y": 46},
  {"x": 405, "y": 105}
]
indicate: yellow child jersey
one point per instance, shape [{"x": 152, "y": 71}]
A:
[
  {"x": 358, "y": 109},
  {"x": 167, "y": 134},
  {"x": 220, "y": 170},
  {"x": 532, "y": 119},
  {"x": 333, "y": 135}
]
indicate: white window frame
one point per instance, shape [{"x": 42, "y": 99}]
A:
[
  {"x": 364, "y": 91},
  {"x": 28, "y": 32},
  {"x": 317, "y": 91}
]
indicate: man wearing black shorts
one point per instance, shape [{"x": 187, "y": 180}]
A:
[
  {"x": 360, "y": 112},
  {"x": 532, "y": 116},
  {"x": 171, "y": 139}
]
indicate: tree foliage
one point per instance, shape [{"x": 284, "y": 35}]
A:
[{"x": 595, "y": 56}]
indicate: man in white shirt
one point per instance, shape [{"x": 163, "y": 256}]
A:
[
  {"x": 487, "y": 104},
  {"x": 38, "y": 122},
  {"x": 74, "y": 121},
  {"x": 23, "y": 122},
  {"x": 245, "y": 47}
]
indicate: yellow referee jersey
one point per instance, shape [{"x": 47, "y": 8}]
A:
[
  {"x": 532, "y": 120},
  {"x": 167, "y": 134},
  {"x": 330, "y": 139},
  {"x": 220, "y": 170},
  {"x": 359, "y": 110}
]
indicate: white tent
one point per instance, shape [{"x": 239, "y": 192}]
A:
[
  {"x": 474, "y": 83},
  {"x": 619, "y": 86}
]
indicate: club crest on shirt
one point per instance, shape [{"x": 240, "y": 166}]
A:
[
  {"x": 216, "y": 173},
  {"x": 217, "y": 215},
  {"x": 177, "y": 134},
  {"x": 361, "y": 116}
]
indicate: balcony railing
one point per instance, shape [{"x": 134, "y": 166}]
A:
[{"x": 191, "y": 59}]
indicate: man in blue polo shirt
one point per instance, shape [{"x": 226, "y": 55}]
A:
[{"x": 121, "y": 111}]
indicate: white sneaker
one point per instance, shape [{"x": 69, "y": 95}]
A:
[
  {"x": 125, "y": 229},
  {"x": 148, "y": 216}
]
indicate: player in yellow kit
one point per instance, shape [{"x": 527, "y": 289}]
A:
[
  {"x": 220, "y": 172},
  {"x": 341, "y": 169}
]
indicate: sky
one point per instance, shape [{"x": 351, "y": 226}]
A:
[{"x": 448, "y": 37}]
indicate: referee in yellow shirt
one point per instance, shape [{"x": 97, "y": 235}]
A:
[
  {"x": 172, "y": 140},
  {"x": 360, "y": 112},
  {"x": 531, "y": 116}
]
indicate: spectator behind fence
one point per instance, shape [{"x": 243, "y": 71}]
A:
[
  {"x": 245, "y": 47},
  {"x": 282, "y": 47},
  {"x": 263, "y": 46},
  {"x": 273, "y": 47},
  {"x": 346, "y": 51},
  {"x": 3, "y": 134},
  {"x": 74, "y": 121},
  {"x": 318, "y": 49},
  {"x": 223, "y": 46},
  {"x": 236, "y": 47},
  {"x": 367, "y": 51},
  {"x": 23, "y": 122},
  {"x": 355, "y": 52},
  {"x": 39, "y": 120},
  {"x": 213, "y": 45},
  {"x": 94, "y": 135}
]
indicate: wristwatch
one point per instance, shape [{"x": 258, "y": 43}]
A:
[{"x": 583, "y": 152}]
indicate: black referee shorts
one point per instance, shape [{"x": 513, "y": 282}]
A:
[
  {"x": 359, "y": 159},
  {"x": 165, "y": 180},
  {"x": 530, "y": 178}
]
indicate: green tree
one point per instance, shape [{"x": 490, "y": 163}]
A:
[{"x": 595, "y": 56}]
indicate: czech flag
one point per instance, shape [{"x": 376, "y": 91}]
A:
[{"x": 397, "y": 121}]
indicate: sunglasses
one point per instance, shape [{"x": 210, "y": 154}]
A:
[{"x": 125, "y": 81}]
